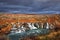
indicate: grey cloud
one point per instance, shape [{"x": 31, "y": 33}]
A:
[{"x": 29, "y": 5}]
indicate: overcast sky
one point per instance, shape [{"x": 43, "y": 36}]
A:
[{"x": 29, "y": 5}]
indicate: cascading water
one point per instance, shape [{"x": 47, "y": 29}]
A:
[{"x": 21, "y": 31}]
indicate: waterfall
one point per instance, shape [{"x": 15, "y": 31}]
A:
[
  {"x": 23, "y": 28},
  {"x": 42, "y": 25},
  {"x": 47, "y": 27},
  {"x": 31, "y": 26},
  {"x": 13, "y": 29}
]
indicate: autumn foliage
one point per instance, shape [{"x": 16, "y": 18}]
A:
[{"x": 13, "y": 18}]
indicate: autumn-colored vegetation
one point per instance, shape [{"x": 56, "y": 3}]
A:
[
  {"x": 13, "y": 18},
  {"x": 7, "y": 19}
]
